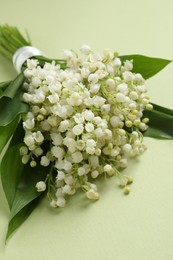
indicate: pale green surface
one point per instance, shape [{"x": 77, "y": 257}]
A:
[{"x": 135, "y": 227}]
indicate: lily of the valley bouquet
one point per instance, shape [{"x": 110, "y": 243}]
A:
[{"x": 65, "y": 122}]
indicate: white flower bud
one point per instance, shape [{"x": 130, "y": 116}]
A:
[
  {"x": 23, "y": 150},
  {"x": 128, "y": 65},
  {"x": 122, "y": 87},
  {"x": 66, "y": 189},
  {"x": 38, "y": 151},
  {"x": 29, "y": 124},
  {"x": 53, "y": 204},
  {"x": 92, "y": 195},
  {"x": 133, "y": 95},
  {"x": 61, "y": 202},
  {"x": 99, "y": 132},
  {"x": 38, "y": 136},
  {"x": 31, "y": 63},
  {"x": 128, "y": 76},
  {"x": 33, "y": 164},
  {"x": 93, "y": 78},
  {"x": 94, "y": 161},
  {"x": 89, "y": 127},
  {"x": 127, "y": 148},
  {"x": 105, "y": 109},
  {"x": 117, "y": 62},
  {"x": 41, "y": 186},
  {"x": 69, "y": 180},
  {"x": 36, "y": 81},
  {"x": 149, "y": 107},
  {"x": 115, "y": 121},
  {"x": 94, "y": 174},
  {"x": 143, "y": 126},
  {"x": 54, "y": 98},
  {"x": 88, "y": 115},
  {"x": 67, "y": 165},
  {"x": 142, "y": 88},
  {"x": 78, "y": 129},
  {"x": 61, "y": 175},
  {"x": 44, "y": 161},
  {"x": 108, "y": 168},
  {"x": 120, "y": 97},
  {"x": 77, "y": 157},
  {"x": 59, "y": 193},
  {"x": 57, "y": 152},
  {"x": 74, "y": 99},
  {"x": 56, "y": 138},
  {"x": 63, "y": 126},
  {"x": 110, "y": 83},
  {"x": 81, "y": 171},
  {"x": 67, "y": 54},
  {"x": 29, "y": 140},
  {"x": 78, "y": 118},
  {"x": 80, "y": 145},
  {"x": 123, "y": 163},
  {"x": 25, "y": 158},
  {"x": 95, "y": 88},
  {"x": 85, "y": 49},
  {"x": 90, "y": 150}
]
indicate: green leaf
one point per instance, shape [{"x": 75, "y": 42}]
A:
[
  {"x": 4, "y": 84},
  {"x": 13, "y": 87},
  {"x": 25, "y": 193},
  {"x": 147, "y": 66},
  {"x": 10, "y": 108},
  {"x": 164, "y": 110},
  {"x": 6, "y": 132},
  {"x": 11, "y": 171},
  {"x": 160, "y": 124},
  {"x": 21, "y": 217},
  {"x": 18, "y": 181}
]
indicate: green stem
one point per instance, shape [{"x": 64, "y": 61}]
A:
[{"x": 11, "y": 40}]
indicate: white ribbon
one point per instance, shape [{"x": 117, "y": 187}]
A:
[{"x": 24, "y": 53}]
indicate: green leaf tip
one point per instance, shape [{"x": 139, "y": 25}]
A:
[{"x": 146, "y": 66}]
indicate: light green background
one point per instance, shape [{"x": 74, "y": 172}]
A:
[{"x": 135, "y": 227}]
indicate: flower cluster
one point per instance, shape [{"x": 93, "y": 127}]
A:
[{"x": 84, "y": 121}]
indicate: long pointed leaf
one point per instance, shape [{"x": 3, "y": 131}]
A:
[
  {"x": 11, "y": 171},
  {"x": 147, "y": 66},
  {"x": 21, "y": 217},
  {"x": 19, "y": 182},
  {"x": 26, "y": 191}
]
